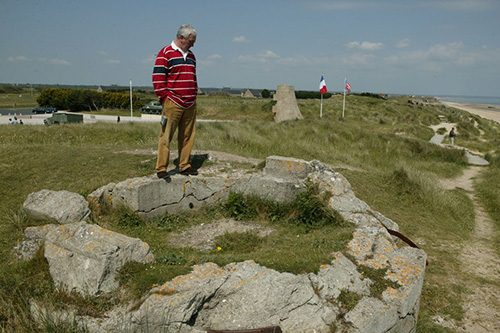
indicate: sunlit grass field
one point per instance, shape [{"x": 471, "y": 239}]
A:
[{"x": 381, "y": 146}]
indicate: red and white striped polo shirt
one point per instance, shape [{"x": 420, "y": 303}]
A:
[{"x": 174, "y": 76}]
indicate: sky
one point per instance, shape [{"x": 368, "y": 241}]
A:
[{"x": 428, "y": 47}]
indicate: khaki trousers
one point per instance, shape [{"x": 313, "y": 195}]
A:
[{"x": 184, "y": 119}]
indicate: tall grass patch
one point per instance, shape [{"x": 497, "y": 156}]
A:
[{"x": 489, "y": 194}]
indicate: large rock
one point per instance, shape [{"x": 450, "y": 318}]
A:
[
  {"x": 61, "y": 206},
  {"x": 85, "y": 258},
  {"x": 286, "y": 107}
]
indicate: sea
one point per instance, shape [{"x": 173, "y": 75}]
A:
[{"x": 488, "y": 100}]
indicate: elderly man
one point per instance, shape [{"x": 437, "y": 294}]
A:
[{"x": 175, "y": 84}]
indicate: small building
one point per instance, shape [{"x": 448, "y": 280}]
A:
[{"x": 251, "y": 93}]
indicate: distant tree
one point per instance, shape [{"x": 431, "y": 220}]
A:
[
  {"x": 53, "y": 97},
  {"x": 265, "y": 93},
  {"x": 372, "y": 95},
  {"x": 10, "y": 89},
  {"x": 310, "y": 94},
  {"x": 86, "y": 99}
]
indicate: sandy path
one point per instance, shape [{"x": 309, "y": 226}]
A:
[{"x": 480, "y": 260}]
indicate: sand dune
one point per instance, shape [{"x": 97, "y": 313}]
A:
[{"x": 491, "y": 112}]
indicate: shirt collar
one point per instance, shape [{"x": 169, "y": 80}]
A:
[{"x": 175, "y": 47}]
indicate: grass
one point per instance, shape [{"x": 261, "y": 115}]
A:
[
  {"x": 380, "y": 146},
  {"x": 490, "y": 195}
]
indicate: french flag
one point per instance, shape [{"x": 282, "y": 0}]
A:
[{"x": 322, "y": 85}]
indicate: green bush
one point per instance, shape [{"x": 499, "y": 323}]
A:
[
  {"x": 240, "y": 207},
  {"x": 309, "y": 209},
  {"x": 312, "y": 210}
]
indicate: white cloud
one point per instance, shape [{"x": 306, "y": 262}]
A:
[
  {"x": 367, "y": 46},
  {"x": 268, "y": 54},
  {"x": 103, "y": 53},
  {"x": 18, "y": 59},
  {"x": 403, "y": 43},
  {"x": 363, "y": 5},
  {"x": 62, "y": 62},
  {"x": 271, "y": 57},
  {"x": 461, "y": 4},
  {"x": 440, "y": 55},
  {"x": 446, "y": 52},
  {"x": 149, "y": 60},
  {"x": 240, "y": 39},
  {"x": 214, "y": 57},
  {"x": 341, "y": 5},
  {"x": 263, "y": 57},
  {"x": 358, "y": 59},
  {"x": 55, "y": 61},
  {"x": 210, "y": 60}
]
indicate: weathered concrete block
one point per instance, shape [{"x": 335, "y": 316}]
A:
[
  {"x": 286, "y": 107},
  {"x": 372, "y": 315},
  {"x": 285, "y": 167},
  {"x": 281, "y": 190},
  {"x": 407, "y": 268},
  {"x": 341, "y": 274},
  {"x": 85, "y": 258},
  {"x": 33, "y": 239},
  {"x": 61, "y": 206},
  {"x": 371, "y": 246},
  {"x": 151, "y": 197}
]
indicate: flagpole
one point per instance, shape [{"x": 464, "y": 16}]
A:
[
  {"x": 321, "y": 108},
  {"x": 343, "y": 107},
  {"x": 131, "y": 108}
]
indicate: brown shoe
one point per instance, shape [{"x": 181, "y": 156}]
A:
[
  {"x": 189, "y": 172},
  {"x": 163, "y": 175}
]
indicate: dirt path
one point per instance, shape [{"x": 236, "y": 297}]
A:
[{"x": 479, "y": 258}]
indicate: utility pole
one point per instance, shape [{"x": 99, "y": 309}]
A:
[{"x": 131, "y": 109}]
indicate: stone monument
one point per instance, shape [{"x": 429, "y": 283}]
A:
[{"x": 286, "y": 107}]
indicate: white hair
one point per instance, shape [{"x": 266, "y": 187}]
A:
[{"x": 185, "y": 30}]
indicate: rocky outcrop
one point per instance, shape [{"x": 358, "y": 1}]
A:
[{"x": 246, "y": 295}]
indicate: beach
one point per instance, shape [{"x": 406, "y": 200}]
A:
[{"x": 491, "y": 112}]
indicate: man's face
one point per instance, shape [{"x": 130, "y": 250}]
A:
[{"x": 187, "y": 43}]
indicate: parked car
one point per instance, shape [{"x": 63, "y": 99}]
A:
[
  {"x": 152, "y": 108},
  {"x": 45, "y": 109},
  {"x": 38, "y": 110}
]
